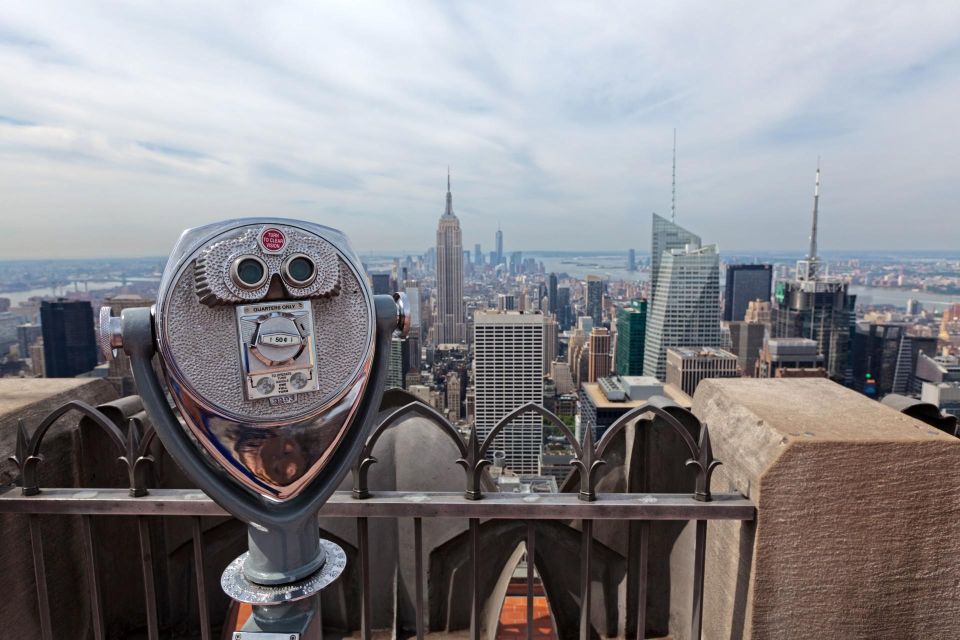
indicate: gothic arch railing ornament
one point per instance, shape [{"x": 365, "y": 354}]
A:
[
  {"x": 28, "y": 456},
  {"x": 588, "y": 457},
  {"x": 133, "y": 446},
  {"x": 477, "y": 460},
  {"x": 701, "y": 453},
  {"x": 412, "y": 409}
]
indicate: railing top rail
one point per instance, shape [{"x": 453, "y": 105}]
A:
[{"x": 396, "y": 504}]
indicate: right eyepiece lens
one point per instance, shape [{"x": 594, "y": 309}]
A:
[
  {"x": 250, "y": 272},
  {"x": 301, "y": 269}
]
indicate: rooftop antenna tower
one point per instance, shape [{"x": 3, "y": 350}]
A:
[
  {"x": 812, "y": 255},
  {"x": 673, "y": 201}
]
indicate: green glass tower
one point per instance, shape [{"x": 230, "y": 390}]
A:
[{"x": 631, "y": 331}]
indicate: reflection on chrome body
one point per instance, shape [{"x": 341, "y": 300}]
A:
[{"x": 404, "y": 317}]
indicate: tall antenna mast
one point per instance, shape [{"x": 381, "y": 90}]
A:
[
  {"x": 812, "y": 255},
  {"x": 673, "y": 201}
]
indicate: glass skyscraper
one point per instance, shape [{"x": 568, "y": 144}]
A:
[
  {"x": 666, "y": 236},
  {"x": 631, "y": 334},
  {"x": 685, "y": 311}
]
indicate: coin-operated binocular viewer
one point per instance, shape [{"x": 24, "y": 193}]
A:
[{"x": 275, "y": 351}]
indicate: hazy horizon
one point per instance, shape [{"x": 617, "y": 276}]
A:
[{"x": 907, "y": 253}]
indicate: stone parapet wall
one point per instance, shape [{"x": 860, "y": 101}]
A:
[
  {"x": 31, "y": 400},
  {"x": 858, "y": 518}
]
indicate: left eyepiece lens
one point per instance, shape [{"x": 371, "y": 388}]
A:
[{"x": 249, "y": 272}]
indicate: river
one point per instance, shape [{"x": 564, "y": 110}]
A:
[
  {"x": 899, "y": 297},
  {"x": 16, "y": 297}
]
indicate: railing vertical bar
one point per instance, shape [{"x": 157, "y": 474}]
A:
[
  {"x": 363, "y": 538},
  {"x": 149, "y": 589},
  {"x": 93, "y": 580},
  {"x": 201, "y": 579},
  {"x": 642, "y": 578},
  {"x": 474, "y": 579},
  {"x": 418, "y": 572},
  {"x": 699, "y": 559},
  {"x": 585, "y": 567},
  {"x": 319, "y": 614},
  {"x": 531, "y": 551},
  {"x": 40, "y": 571}
]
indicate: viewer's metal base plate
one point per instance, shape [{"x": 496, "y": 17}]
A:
[{"x": 237, "y": 586}]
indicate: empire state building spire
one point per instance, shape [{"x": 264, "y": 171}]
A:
[{"x": 449, "y": 210}]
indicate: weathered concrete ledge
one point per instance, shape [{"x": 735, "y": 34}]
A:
[
  {"x": 858, "y": 524},
  {"x": 31, "y": 400}
]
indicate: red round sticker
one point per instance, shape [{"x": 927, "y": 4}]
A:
[{"x": 272, "y": 239}]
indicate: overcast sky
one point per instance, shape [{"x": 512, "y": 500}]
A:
[{"x": 123, "y": 123}]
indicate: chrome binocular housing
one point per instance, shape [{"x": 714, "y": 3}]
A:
[{"x": 274, "y": 350}]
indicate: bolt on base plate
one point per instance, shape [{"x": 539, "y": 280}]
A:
[{"x": 236, "y": 585}]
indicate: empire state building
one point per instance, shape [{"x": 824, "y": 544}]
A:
[{"x": 450, "y": 316}]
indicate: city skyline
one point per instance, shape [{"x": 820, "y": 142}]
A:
[{"x": 120, "y": 128}]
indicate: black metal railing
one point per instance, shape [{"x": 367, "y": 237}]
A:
[{"x": 361, "y": 504}]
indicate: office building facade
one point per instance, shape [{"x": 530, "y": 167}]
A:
[
  {"x": 746, "y": 342},
  {"x": 69, "y": 343},
  {"x": 687, "y": 367},
  {"x": 564, "y": 311},
  {"x": 599, "y": 365},
  {"x": 399, "y": 363},
  {"x": 508, "y": 373},
  {"x": 790, "y": 358},
  {"x": 745, "y": 283},
  {"x": 595, "y": 299}
]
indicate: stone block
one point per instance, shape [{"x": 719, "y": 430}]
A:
[
  {"x": 858, "y": 523},
  {"x": 32, "y": 399}
]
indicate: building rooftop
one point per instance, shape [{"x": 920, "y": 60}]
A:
[
  {"x": 622, "y": 393},
  {"x": 492, "y": 316},
  {"x": 796, "y": 342},
  {"x": 701, "y": 352}
]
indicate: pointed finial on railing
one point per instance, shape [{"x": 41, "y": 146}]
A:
[
  {"x": 26, "y": 462},
  {"x": 136, "y": 458},
  {"x": 587, "y": 465},
  {"x": 705, "y": 464},
  {"x": 473, "y": 464}
]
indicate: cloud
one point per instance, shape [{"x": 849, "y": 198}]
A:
[{"x": 132, "y": 122}]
